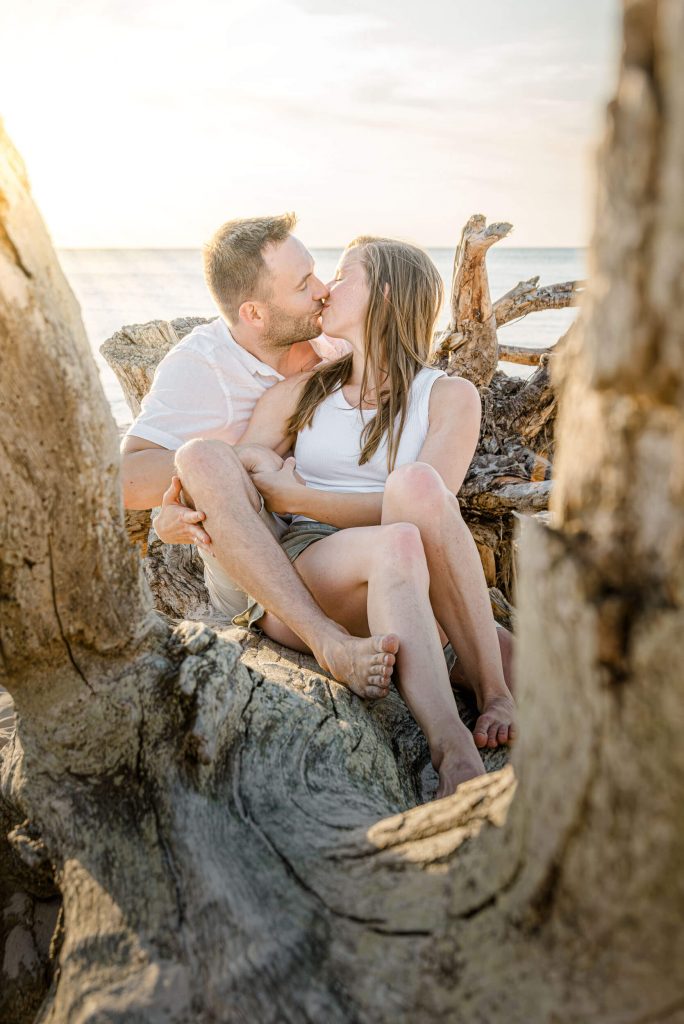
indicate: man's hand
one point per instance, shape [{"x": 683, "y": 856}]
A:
[
  {"x": 258, "y": 459},
  {"x": 178, "y": 524},
  {"x": 280, "y": 488}
]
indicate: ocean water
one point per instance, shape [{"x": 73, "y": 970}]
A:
[{"x": 116, "y": 287}]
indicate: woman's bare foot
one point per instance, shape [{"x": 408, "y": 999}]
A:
[
  {"x": 456, "y": 765},
  {"x": 458, "y": 677},
  {"x": 496, "y": 724},
  {"x": 364, "y": 665}
]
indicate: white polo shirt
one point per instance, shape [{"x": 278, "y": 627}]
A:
[{"x": 207, "y": 386}]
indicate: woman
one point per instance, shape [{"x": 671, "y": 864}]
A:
[{"x": 381, "y": 431}]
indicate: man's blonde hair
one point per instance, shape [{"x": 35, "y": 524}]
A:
[{"x": 234, "y": 266}]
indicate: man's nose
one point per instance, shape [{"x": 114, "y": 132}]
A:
[{"x": 320, "y": 290}]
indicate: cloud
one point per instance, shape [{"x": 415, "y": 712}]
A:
[{"x": 148, "y": 121}]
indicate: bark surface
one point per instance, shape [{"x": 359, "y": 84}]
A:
[{"x": 233, "y": 837}]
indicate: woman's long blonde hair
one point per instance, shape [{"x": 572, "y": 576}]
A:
[{"x": 406, "y": 293}]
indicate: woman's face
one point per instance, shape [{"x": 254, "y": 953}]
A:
[{"x": 344, "y": 312}]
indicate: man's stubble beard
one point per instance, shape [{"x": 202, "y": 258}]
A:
[{"x": 285, "y": 330}]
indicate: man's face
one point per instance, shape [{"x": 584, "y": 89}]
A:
[{"x": 292, "y": 310}]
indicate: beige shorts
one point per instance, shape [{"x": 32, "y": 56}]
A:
[
  {"x": 295, "y": 539},
  {"x": 228, "y": 598}
]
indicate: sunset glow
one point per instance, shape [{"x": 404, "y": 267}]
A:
[{"x": 149, "y": 124}]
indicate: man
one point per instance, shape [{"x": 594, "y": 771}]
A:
[{"x": 188, "y": 431}]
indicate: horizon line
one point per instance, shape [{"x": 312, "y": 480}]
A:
[{"x": 328, "y": 248}]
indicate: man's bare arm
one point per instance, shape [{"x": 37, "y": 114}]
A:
[
  {"x": 146, "y": 472},
  {"x": 149, "y": 481}
]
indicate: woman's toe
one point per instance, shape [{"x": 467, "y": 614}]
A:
[
  {"x": 480, "y": 734},
  {"x": 492, "y": 731}
]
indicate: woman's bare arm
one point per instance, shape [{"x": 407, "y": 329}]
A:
[
  {"x": 455, "y": 414},
  {"x": 455, "y": 411},
  {"x": 268, "y": 424}
]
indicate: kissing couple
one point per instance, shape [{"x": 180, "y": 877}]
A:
[{"x": 304, "y": 443}]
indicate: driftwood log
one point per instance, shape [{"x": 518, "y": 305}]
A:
[{"x": 194, "y": 832}]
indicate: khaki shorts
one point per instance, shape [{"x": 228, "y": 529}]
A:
[
  {"x": 295, "y": 539},
  {"x": 228, "y": 598}
]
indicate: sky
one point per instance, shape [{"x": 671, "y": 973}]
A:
[{"x": 147, "y": 123}]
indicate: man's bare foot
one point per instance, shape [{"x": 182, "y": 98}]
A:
[
  {"x": 364, "y": 665},
  {"x": 457, "y": 765},
  {"x": 496, "y": 724}
]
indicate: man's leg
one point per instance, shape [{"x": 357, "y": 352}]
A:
[
  {"x": 416, "y": 493},
  {"x": 215, "y": 480}
]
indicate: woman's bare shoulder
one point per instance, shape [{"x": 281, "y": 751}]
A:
[{"x": 454, "y": 397}]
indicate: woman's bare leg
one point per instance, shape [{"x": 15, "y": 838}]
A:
[
  {"x": 416, "y": 493},
  {"x": 384, "y": 569},
  {"x": 505, "y": 638}
]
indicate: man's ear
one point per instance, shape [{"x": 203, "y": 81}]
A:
[{"x": 250, "y": 313}]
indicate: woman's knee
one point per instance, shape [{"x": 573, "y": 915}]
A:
[
  {"x": 415, "y": 487},
  {"x": 400, "y": 547}
]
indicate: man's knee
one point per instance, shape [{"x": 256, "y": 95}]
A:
[
  {"x": 207, "y": 467},
  {"x": 416, "y": 486},
  {"x": 204, "y": 456}
]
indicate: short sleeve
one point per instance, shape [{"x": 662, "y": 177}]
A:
[{"x": 186, "y": 400}]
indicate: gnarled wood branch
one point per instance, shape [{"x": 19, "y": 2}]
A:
[
  {"x": 526, "y": 297},
  {"x": 469, "y": 344},
  {"x": 523, "y": 354}
]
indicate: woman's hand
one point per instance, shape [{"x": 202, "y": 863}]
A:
[
  {"x": 281, "y": 487},
  {"x": 258, "y": 459}
]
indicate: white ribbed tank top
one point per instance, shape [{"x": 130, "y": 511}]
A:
[{"x": 327, "y": 453}]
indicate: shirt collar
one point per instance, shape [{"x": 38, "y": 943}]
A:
[{"x": 251, "y": 363}]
